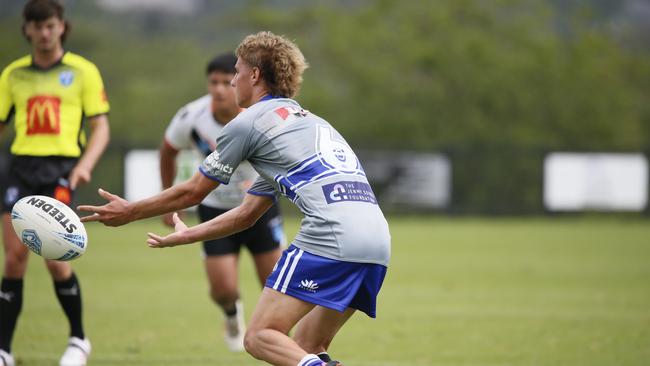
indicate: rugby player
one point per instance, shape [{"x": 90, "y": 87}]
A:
[
  {"x": 337, "y": 262},
  {"x": 51, "y": 94},
  {"x": 196, "y": 126}
]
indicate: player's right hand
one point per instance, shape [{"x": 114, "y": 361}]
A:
[{"x": 115, "y": 213}]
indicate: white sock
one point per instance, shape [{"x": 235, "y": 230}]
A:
[{"x": 310, "y": 360}]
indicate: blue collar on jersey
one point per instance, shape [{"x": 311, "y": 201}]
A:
[{"x": 269, "y": 97}]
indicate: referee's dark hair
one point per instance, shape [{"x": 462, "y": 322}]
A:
[
  {"x": 40, "y": 10},
  {"x": 223, "y": 63}
]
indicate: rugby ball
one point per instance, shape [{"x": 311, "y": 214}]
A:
[{"x": 49, "y": 228}]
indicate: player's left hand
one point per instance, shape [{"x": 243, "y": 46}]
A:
[
  {"x": 79, "y": 175},
  {"x": 114, "y": 213},
  {"x": 173, "y": 239}
]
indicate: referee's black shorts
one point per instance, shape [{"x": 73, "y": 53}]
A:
[
  {"x": 266, "y": 235},
  {"x": 36, "y": 175}
]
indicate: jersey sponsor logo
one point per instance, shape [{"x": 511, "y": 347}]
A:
[
  {"x": 43, "y": 115},
  {"x": 66, "y": 77},
  {"x": 213, "y": 164},
  {"x": 349, "y": 191},
  {"x": 308, "y": 285}
]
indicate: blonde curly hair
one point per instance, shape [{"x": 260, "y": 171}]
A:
[{"x": 279, "y": 60}]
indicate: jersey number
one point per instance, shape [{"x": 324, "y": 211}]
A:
[{"x": 336, "y": 154}]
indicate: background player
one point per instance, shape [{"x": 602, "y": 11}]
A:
[
  {"x": 50, "y": 93},
  {"x": 338, "y": 260},
  {"x": 197, "y": 126}
]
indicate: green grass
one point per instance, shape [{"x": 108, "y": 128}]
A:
[{"x": 560, "y": 291}]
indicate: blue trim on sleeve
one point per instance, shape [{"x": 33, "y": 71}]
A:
[
  {"x": 265, "y": 194},
  {"x": 211, "y": 177}
]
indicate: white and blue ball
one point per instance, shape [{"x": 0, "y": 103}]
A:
[{"x": 49, "y": 228}]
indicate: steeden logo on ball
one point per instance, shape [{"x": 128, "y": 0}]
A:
[{"x": 49, "y": 228}]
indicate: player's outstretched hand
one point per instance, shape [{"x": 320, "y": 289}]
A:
[
  {"x": 173, "y": 239},
  {"x": 114, "y": 213}
]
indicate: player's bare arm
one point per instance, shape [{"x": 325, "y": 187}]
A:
[
  {"x": 233, "y": 221},
  {"x": 99, "y": 138},
  {"x": 168, "y": 154},
  {"x": 118, "y": 211}
]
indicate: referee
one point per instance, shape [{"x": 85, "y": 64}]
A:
[{"x": 50, "y": 94}]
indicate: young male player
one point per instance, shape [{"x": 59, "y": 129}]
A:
[
  {"x": 338, "y": 260},
  {"x": 50, "y": 93},
  {"x": 197, "y": 126}
]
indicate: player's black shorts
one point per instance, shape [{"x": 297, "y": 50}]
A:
[
  {"x": 42, "y": 175},
  {"x": 267, "y": 234}
]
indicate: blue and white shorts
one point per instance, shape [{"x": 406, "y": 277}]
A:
[{"x": 327, "y": 282}]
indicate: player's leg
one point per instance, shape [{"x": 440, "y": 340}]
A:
[
  {"x": 11, "y": 289},
  {"x": 264, "y": 263},
  {"x": 274, "y": 316},
  {"x": 317, "y": 329},
  {"x": 222, "y": 274},
  {"x": 16, "y": 254},
  {"x": 221, "y": 264},
  {"x": 221, "y": 271},
  {"x": 322, "y": 282},
  {"x": 300, "y": 282},
  {"x": 66, "y": 283},
  {"x": 68, "y": 292},
  {"x": 16, "y": 258}
]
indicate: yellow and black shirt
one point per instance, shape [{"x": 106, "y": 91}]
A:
[{"x": 51, "y": 104}]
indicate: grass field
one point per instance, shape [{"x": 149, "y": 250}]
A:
[{"x": 558, "y": 291}]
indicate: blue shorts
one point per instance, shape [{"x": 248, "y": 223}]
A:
[{"x": 328, "y": 282}]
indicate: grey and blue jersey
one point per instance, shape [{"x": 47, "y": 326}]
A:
[{"x": 301, "y": 156}]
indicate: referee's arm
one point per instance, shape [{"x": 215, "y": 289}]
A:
[{"x": 100, "y": 135}]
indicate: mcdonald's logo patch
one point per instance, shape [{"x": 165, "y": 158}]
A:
[{"x": 43, "y": 115}]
